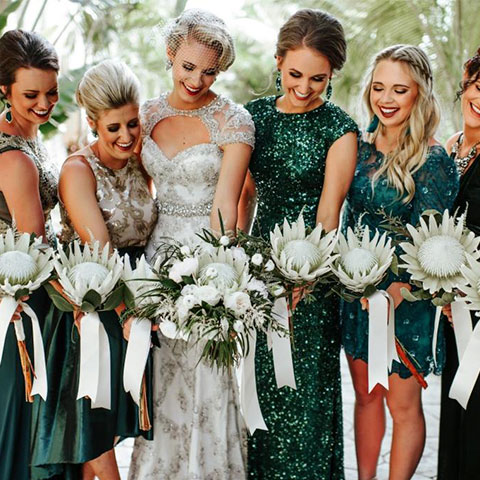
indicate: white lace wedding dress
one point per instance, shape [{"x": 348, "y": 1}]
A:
[{"x": 198, "y": 432}]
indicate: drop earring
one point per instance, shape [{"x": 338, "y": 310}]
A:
[
  {"x": 329, "y": 91},
  {"x": 168, "y": 64},
  {"x": 278, "y": 81},
  {"x": 373, "y": 124},
  {"x": 8, "y": 114}
]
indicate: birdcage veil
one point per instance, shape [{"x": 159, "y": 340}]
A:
[{"x": 203, "y": 27}]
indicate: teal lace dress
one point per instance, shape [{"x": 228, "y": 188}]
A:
[
  {"x": 304, "y": 438},
  {"x": 436, "y": 186},
  {"x": 15, "y": 412}
]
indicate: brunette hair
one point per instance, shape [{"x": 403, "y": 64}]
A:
[
  {"x": 317, "y": 30},
  {"x": 472, "y": 70},
  {"x": 22, "y": 49}
]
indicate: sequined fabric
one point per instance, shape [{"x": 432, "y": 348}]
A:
[
  {"x": 47, "y": 172},
  {"x": 199, "y": 433},
  {"x": 436, "y": 184},
  {"x": 305, "y": 437},
  {"x": 127, "y": 206}
]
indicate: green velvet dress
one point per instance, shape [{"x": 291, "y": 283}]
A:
[
  {"x": 68, "y": 432},
  {"x": 15, "y": 412},
  {"x": 436, "y": 184},
  {"x": 304, "y": 438}
]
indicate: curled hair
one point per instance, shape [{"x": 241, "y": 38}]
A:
[
  {"x": 22, "y": 49},
  {"x": 411, "y": 151},
  {"x": 472, "y": 72},
  {"x": 205, "y": 28},
  {"x": 108, "y": 85},
  {"x": 317, "y": 30}
]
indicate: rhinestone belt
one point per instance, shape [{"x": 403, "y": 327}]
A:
[{"x": 185, "y": 210}]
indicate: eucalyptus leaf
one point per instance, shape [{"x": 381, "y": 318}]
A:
[
  {"x": 87, "y": 307},
  {"x": 115, "y": 298},
  {"x": 94, "y": 298},
  {"x": 439, "y": 302},
  {"x": 128, "y": 298},
  {"x": 369, "y": 290},
  {"x": 408, "y": 295}
]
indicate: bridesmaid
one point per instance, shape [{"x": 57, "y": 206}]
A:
[
  {"x": 304, "y": 157},
  {"x": 104, "y": 195},
  {"x": 29, "y": 90},
  {"x": 403, "y": 171},
  {"x": 459, "y": 452}
]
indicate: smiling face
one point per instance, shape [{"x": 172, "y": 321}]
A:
[
  {"x": 33, "y": 95},
  {"x": 471, "y": 105},
  {"x": 393, "y": 93},
  {"x": 305, "y": 74},
  {"x": 118, "y": 133},
  {"x": 194, "y": 69}
]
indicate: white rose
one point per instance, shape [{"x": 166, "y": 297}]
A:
[
  {"x": 239, "y": 254},
  {"x": 185, "y": 250},
  {"x": 189, "y": 290},
  {"x": 257, "y": 259},
  {"x": 208, "y": 294},
  {"x": 256, "y": 285},
  {"x": 224, "y": 240},
  {"x": 269, "y": 266},
  {"x": 184, "y": 268},
  {"x": 238, "y": 302},
  {"x": 238, "y": 326},
  {"x": 168, "y": 328},
  {"x": 189, "y": 301},
  {"x": 277, "y": 290}
]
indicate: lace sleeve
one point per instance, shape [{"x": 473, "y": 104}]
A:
[
  {"x": 150, "y": 115},
  {"x": 235, "y": 126},
  {"x": 436, "y": 184}
]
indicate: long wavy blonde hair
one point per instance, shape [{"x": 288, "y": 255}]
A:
[{"x": 411, "y": 151}]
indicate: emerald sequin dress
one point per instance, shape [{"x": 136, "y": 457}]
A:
[
  {"x": 436, "y": 186},
  {"x": 305, "y": 437},
  {"x": 15, "y": 412}
]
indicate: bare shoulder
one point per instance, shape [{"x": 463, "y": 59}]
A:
[
  {"x": 16, "y": 162},
  {"x": 76, "y": 170}
]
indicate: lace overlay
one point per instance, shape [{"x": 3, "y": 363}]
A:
[
  {"x": 47, "y": 171},
  {"x": 126, "y": 204},
  {"x": 198, "y": 433}
]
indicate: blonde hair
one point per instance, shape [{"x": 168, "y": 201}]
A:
[
  {"x": 108, "y": 85},
  {"x": 205, "y": 28},
  {"x": 421, "y": 125}
]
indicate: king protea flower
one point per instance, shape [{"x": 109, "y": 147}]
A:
[
  {"x": 471, "y": 287},
  {"x": 87, "y": 268},
  {"x": 362, "y": 260},
  {"x": 438, "y": 252},
  {"x": 24, "y": 264},
  {"x": 301, "y": 257},
  {"x": 223, "y": 270}
]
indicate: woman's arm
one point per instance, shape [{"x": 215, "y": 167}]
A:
[
  {"x": 339, "y": 170},
  {"x": 236, "y": 157},
  {"x": 20, "y": 186},
  {"x": 77, "y": 190},
  {"x": 247, "y": 204}
]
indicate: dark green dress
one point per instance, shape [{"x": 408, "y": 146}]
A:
[
  {"x": 305, "y": 437},
  {"x": 68, "y": 432},
  {"x": 459, "y": 447},
  {"x": 436, "y": 184},
  {"x": 15, "y": 412}
]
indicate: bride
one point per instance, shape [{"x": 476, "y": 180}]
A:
[{"x": 196, "y": 148}]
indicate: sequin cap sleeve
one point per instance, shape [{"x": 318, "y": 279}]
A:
[
  {"x": 436, "y": 183},
  {"x": 236, "y": 125}
]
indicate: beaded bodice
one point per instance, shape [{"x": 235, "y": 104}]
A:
[
  {"x": 47, "y": 172},
  {"x": 126, "y": 204}
]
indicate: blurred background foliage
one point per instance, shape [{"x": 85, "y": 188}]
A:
[{"x": 87, "y": 31}]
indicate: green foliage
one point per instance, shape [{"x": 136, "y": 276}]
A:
[{"x": 10, "y": 8}]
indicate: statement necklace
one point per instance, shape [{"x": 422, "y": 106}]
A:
[{"x": 463, "y": 162}]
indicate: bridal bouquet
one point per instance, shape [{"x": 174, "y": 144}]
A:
[
  {"x": 88, "y": 281},
  {"x": 25, "y": 264}
]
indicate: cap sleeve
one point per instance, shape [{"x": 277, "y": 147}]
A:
[{"x": 235, "y": 126}]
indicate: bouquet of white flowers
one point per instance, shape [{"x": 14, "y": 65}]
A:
[
  {"x": 25, "y": 264},
  {"x": 88, "y": 279}
]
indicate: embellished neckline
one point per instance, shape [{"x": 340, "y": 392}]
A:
[
  {"x": 102, "y": 165},
  {"x": 195, "y": 111}
]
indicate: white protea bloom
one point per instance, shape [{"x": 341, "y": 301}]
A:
[
  {"x": 141, "y": 281},
  {"x": 471, "y": 287},
  {"x": 223, "y": 270},
  {"x": 362, "y": 260},
  {"x": 24, "y": 264},
  {"x": 88, "y": 268},
  {"x": 301, "y": 257},
  {"x": 438, "y": 252}
]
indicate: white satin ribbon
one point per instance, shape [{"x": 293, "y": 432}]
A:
[
  {"x": 281, "y": 347},
  {"x": 8, "y": 305},
  {"x": 94, "y": 380},
  {"x": 468, "y": 347},
  {"x": 381, "y": 339},
  {"x": 436, "y": 324},
  {"x": 136, "y": 357},
  {"x": 247, "y": 384}
]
